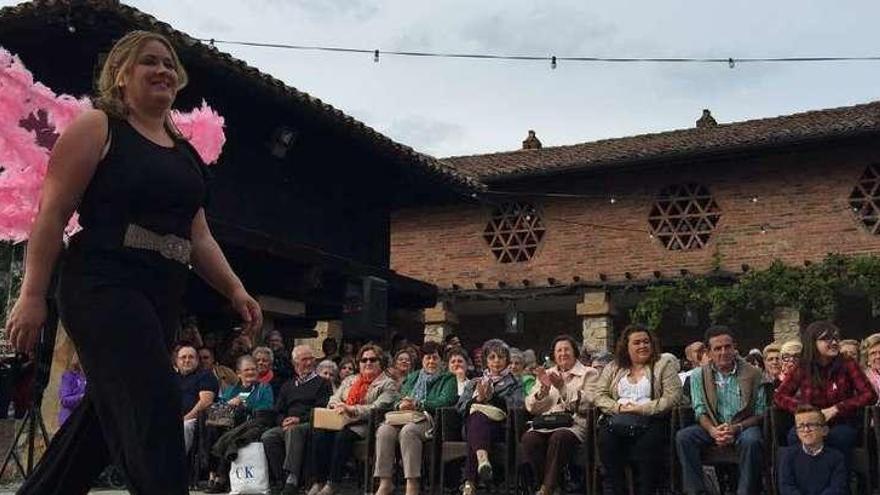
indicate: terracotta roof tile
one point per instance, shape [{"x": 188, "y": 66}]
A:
[{"x": 776, "y": 131}]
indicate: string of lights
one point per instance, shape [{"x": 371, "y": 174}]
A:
[{"x": 554, "y": 60}]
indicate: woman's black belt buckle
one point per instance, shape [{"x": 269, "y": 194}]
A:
[{"x": 169, "y": 245}]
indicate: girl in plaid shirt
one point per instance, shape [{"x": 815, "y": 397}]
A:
[{"x": 831, "y": 382}]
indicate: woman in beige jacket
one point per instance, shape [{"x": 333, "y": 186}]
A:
[
  {"x": 563, "y": 388},
  {"x": 356, "y": 398},
  {"x": 636, "y": 394}
]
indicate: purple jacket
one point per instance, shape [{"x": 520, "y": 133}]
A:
[{"x": 73, "y": 387}]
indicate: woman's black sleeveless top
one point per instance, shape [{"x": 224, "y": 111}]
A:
[{"x": 140, "y": 182}]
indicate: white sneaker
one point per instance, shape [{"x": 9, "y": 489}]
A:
[
  {"x": 315, "y": 489},
  {"x": 468, "y": 489}
]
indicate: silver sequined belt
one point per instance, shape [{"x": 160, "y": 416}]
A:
[{"x": 168, "y": 245}]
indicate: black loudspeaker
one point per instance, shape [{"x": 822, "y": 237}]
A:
[{"x": 366, "y": 308}]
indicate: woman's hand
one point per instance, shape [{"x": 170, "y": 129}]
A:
[
  {"x": 557, "y": 381},
  {"x": 830, "y": 412},
  {"x": 25, "y": 320},
  {"x": 483, "y": 391},
  {"x": 345, "y": 409},
  {"x": 407, "y": 404},
  {"x": 249, "y": 309},
  {"x": 235, "y": 401}
]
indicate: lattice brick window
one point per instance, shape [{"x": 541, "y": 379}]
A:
[
  {"x": 514, "y": 232},
  {"x": 684, "y": 216},
  {"x": 865, "y": 199}
]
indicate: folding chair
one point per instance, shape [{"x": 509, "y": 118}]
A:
[
  {"x": 452, "y": 447},
  {"x": 669, "y": 459},
  {"x": 583, "y": 458},
  {"x": 727, "y": 455}
]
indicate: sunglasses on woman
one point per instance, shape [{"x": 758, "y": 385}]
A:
[{"x": 369, "y": 360}]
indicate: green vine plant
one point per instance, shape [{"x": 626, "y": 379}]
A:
[{"x": 813, "y": 290}]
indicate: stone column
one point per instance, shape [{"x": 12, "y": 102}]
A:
[
  {"x": 786, "y": 324},
  {"x": 440, "y": 321},
  {"x": 324, "y": 329},
  {"x": 595, "y": 312}
]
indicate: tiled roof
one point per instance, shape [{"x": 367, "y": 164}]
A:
[
  {"x": 429, "y": 166},
  {"x": 739, "y": 136}
]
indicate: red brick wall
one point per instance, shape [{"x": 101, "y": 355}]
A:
[{"x": 802, "y": 196}]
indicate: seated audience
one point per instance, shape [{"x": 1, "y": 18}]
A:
[
  {"x": 347, "y": 367},
  {"x": 518, "y": 368},
  {"x": 811, "y": 468},
  {"x": 330, "y": 349},
  {"x": 285, "y": 443},
  {"x": 281, "y": 366},
  {"x": 265, "y": 359},
  {"x": 224, "y": 375},
  {"x": 871, "y": 349},
  {"x": 729, "y": 404},
  {"x": 198, "y": 388},
  {"x": 477, "y": 362},
  {"x": 563, "y": 389},
  {"x": 72, "y": 389},
  {"x": 755, "y": 358},
  {"x": 356, "y": 398},
  {"x": 249, "y": 397},
  {"x": 401, "y": 365},
  {"x": 834, "y": 384},
  {"x": 530, "y": 361},
  {"x": 772, "y": 364},
  {"x": 636, "y": 394},
  {"x": 457, "y": 362},
  {"x": 329, "y": 371},
  {"x": 451, "y": 341},
  {"x": 423, "y": 391},
  {"x": 498, "y": 389},
  {"x": 850, "y": 348},
  {"x": 241, "y": 345}
]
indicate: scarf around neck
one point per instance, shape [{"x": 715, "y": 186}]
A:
[
  {"x": 358, "y": 391},
  {"x": 423, "y": 382}
]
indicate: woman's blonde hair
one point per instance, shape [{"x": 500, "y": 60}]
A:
[
  {"x": 119, "y": 62},
  {"x": 869, "y": 342}
]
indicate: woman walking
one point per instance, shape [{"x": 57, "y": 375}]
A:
[{"x": 139, "y": 188}]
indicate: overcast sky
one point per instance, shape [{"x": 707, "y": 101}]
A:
[{"x": 451, "y": 107}]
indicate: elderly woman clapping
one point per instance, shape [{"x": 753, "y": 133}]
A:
[
  {"x": 422, "y": 393},
  {"x": 563, "y": 390},
  {"x": 356, "y": 398},
  {"x": 484, "y": 403}
]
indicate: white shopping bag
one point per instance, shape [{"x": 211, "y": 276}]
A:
[{"x": 249, "y": 472}]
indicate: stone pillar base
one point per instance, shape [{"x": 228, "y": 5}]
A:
[
  {"x": 598, "y": 333},
  {"x": 440, "y": 321},
  {"x": 597, "y": 327},
  {"x": 786, "y": 324},
  {"x": 325, "y": 330}
]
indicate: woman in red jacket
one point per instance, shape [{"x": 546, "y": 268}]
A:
[{"x": 829, "y": 381}]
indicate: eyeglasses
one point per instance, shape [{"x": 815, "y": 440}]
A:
[
  {"x": 789, "y": 359},
  {"x": 809, "y": 426},
  {"x": 830, "y": 338},
  {"x": 365, "y": 360}
]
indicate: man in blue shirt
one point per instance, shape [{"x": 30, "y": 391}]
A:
[
  {"x": 729, "y": 405},
  {"x": 198, "y": 388}
]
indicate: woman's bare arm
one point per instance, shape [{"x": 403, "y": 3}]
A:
[
  {"x": 211, "y": 265},
  {"x": 72, "y": 165}
]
